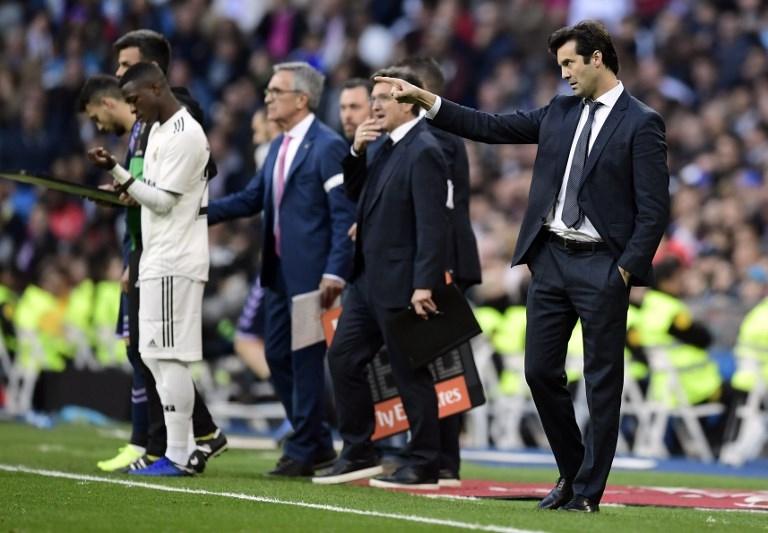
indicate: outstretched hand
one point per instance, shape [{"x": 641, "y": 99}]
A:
[
  {"x": 402, "y": 91},
  {"x": 407, "y": 93}
]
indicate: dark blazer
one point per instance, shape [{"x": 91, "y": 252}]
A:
[
  {"x": 463, "y": 257},
  {"x": 401, "y": 228},
  {"x": 625, "y": 189},
  {"x": 313, "y": 221}
]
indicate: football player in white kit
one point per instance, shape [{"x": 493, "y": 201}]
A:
[{"x": 174, "y": 265}]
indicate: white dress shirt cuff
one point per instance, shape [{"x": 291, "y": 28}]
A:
[
  {"x": 334, "y": 276},
  {"x": 432, "y": 112}
]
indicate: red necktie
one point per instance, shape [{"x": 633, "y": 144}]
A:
[{"x": 279, "y": 188}]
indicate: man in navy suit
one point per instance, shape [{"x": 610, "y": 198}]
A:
[
  {"x": 305, "y": 247},
  {"x": 598, "y": 206},
  {"x": 399, "y": 260}
]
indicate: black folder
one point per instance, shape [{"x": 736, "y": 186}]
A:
[{"x": 421, "y": 340}]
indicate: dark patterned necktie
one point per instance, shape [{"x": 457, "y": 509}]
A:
[{"x": 572, "y": 215}]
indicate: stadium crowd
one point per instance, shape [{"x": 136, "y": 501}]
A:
[{"x": 703, "y": 65}]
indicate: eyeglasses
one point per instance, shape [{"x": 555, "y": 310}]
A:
[
  {"x": 278, "y": 92},
  {"x": 381, "y": 98}
]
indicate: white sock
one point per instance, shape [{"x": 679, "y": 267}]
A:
[{"x": 177, "y": 394}]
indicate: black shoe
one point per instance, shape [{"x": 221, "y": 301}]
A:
[
  {"x": 212, "y": 445},
  {"x": 287, "y": 467},
  {"x": 344, "y": 471},
  {"x": 581, "y": 504},
  {"x": 196, "y": 462},
  {"x": 557, "y": 497},
  {"x": 406, "y": 477},
  {"x": 448, "y": 478},
  {"x": 322, "y": 460},
  {"x": 325, "y": 459}
]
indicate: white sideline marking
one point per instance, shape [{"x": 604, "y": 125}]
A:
[{"x": 264, "y": 499}]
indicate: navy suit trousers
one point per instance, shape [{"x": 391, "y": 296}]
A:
[
  {"x": 298, "y": 378},
  {"x": 568, "y": 285}
]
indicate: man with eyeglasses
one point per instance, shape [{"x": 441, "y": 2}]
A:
[
  {"x": 399, "y": 260},
  {"x": 305, "y": 248}
]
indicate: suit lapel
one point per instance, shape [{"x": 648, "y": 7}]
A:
[
  {"x": 614, "y": 119},
  {"x": 389, "y": 168},
  {"x": 301, "y": 153},
  {"x": 269, "y": 171},
  {"x": 570, "y": 122}
]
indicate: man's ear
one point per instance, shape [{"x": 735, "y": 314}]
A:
[
  {"x": 306, "y": 100},
  {"x": 597, "y": 57}
]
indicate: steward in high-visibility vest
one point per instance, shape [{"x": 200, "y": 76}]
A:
[
  {"x": 509, "y": 341},
  {"x": 665, "y": 323},
  {"x": 109, "y": 348},
  {"x": 39, "y": 321},
  {"x": 752, "y": 349},
  {"x": 637, "y": 366},
  {"x": 8, "y": 302}
]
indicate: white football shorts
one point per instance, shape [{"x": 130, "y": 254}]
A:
[{"x": 170, "y": 318}]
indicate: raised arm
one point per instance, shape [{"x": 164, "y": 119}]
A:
[{"x": 521, "y": 127}]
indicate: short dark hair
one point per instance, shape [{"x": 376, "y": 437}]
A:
[
  {"x": 403, "y": 74},
  {"x": 590, "y": 35},
  {"x": 152, "y": 47},
  {"x": 97, "y": 87},
  {"x": 143, "y": 73},
  {"x": 354, "y": 83},
  {"x": 428, "y": 69}
]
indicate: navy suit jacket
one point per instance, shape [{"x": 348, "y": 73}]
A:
[
  {"x": 401, "y": 219},
  {"x": 315, "y": 214},
  {"x": 625, "y": 188}
]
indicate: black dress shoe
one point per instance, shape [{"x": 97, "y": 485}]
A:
[
  {"x": 581, "y": 504},
  {"x": 344, "y": 471},
  {"x": 287, "y": 467},
  {"x": 448, "y": 478},
  {"x": 324, "y": 459},
  {"x": 407, "y": 477},
  {"x": 557, "y": 497}
]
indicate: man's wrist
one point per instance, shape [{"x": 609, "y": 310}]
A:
[
  {"x": 120, "y": 174},
  {"x": 334, "y": 277},
  {"x": 427, "y": 99}
]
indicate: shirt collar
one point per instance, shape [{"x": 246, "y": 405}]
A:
[
  {"x": 609, "y": 98},
  {"x": 402, "y": 130},
  {"x": 299, "y": 131}
]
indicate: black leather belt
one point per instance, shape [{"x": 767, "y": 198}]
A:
[{"x": 576, "y": 246}]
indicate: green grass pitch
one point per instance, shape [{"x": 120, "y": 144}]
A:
[{"x": 235, "y": 495}]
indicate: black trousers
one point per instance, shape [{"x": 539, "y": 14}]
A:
[
  {"x": 359, "y": 336},
  {"x": 567, "y": 286},
  {"x": 202, "y": 421}
]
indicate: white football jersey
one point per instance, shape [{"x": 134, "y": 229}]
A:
[{"x": 176, "y": 243}]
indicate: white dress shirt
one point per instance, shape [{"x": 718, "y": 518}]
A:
[
  {"x": 297, "y": 134},
  {"x": 585, "y": 232}
]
